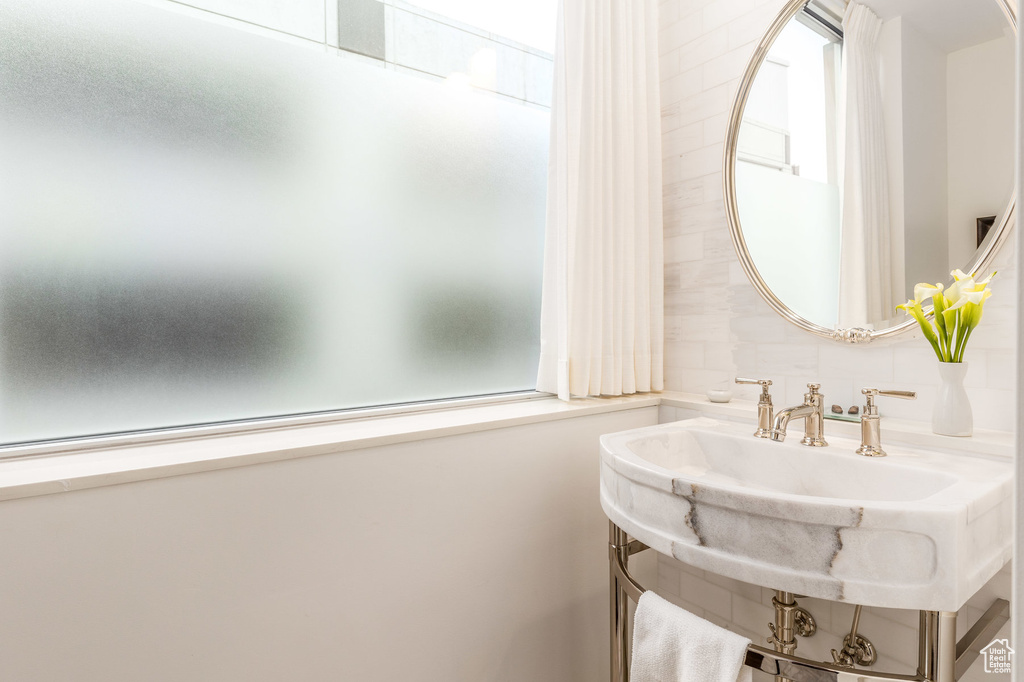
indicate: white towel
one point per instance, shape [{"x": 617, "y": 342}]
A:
[{"x": 673, "y": 645}]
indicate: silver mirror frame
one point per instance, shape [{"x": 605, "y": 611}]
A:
[{"x": 981, "y": 261}]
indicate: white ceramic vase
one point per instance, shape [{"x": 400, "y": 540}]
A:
[{"x": 952, "y": 414}]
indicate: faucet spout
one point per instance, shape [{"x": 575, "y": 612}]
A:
[
  {"x": 783, "y": 417},
  {"x": 813, "y": 414}
]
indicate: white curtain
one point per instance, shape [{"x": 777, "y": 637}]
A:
[
  {"x": 865, "y": 265},
  {"x": 602, "y": 305}
]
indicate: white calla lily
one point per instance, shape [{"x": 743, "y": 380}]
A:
[
  {"x": 984, "y": 283},
  {"x": 975, "y": 295},
  {"x": 924, "y": 291},
  {"x": 958, "y": 311},
  {"x": 954, "y": 294}
]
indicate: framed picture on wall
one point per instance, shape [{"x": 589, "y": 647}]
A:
[{"x": 984, "y": 225}]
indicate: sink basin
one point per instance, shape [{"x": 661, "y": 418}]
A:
[
  {"x": 716, "y": 456},
  {"x": 917, "y": 529}
]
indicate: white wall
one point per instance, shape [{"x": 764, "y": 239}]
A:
[
  {"x": 467, "y": 558},
  {"x": 980, "y": 117}
]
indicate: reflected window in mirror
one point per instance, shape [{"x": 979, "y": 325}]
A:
[{"x": 787, "y": 156}]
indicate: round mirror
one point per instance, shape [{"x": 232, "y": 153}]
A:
[{"x": 871, "y": 147}]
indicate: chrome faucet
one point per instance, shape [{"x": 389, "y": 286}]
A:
[
  {"x": 813, "y": 414},
  {"x": 764, "y": 407},
  {"x": 870, "y": 436}
]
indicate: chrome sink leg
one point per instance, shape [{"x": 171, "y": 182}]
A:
[
  {"x": 945, "y": 670},
  {"x": 937, "y": 648},
  {"x": 619, "y": 643},
  {"x": 926, "y": 644},
  {"x": 623, "y": 588}
]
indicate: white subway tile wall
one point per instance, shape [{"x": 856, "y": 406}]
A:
[{"x": 717, "y": 327}]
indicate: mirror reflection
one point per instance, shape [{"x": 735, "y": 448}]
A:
[{"x": 875, "y": 151}]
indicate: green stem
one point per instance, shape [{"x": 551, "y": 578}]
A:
[
  {"x": 963, "y": 345},
  {"x": 940, "y": 326},
  {"x": 970, "y": 318},
  {"x": 961, "y": 328},
  {"x": 945, "y": 339},
  {"x": 953, "y": 329}
]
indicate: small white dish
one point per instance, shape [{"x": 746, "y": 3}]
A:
[{"x": 719, "y": 395}]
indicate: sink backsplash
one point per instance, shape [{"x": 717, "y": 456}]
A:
[{"x": 716, "y": 326}]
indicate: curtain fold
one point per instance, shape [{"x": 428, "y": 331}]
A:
[
  {"x": 602, "y": 304},
  {"x": 865, "y": 261}
]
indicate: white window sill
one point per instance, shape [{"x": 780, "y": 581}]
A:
[{"x": 96, "y": 463}]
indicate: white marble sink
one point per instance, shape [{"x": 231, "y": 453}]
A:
[{"x": 917, "y": 529}]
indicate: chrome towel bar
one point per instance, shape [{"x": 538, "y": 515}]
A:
[{"x": 941, "y": 657}]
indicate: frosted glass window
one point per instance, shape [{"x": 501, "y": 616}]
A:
[
  {"x": 200, "y": 224},
  {"x": 530, "y": 22}
]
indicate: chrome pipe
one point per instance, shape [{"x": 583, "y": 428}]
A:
[
  {"x": 857, "y": 650},
  {"x": 783, "y": 635},
  {"x": 856, "y": 622}
]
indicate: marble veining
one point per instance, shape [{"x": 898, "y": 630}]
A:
[{"x": 919, "y": 529}]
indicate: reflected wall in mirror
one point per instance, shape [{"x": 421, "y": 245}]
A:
[{"x": 869, "y": 144}]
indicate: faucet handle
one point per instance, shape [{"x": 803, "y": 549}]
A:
[
  {"x": 764, "y": 407},
  {"x": 870, "y": 437},
  {"x": 765, "y": 383},
  {"x": 905, "y": 395},
  {"x": 813, "y": 396},
  {"x": 871, "y": 393}
]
